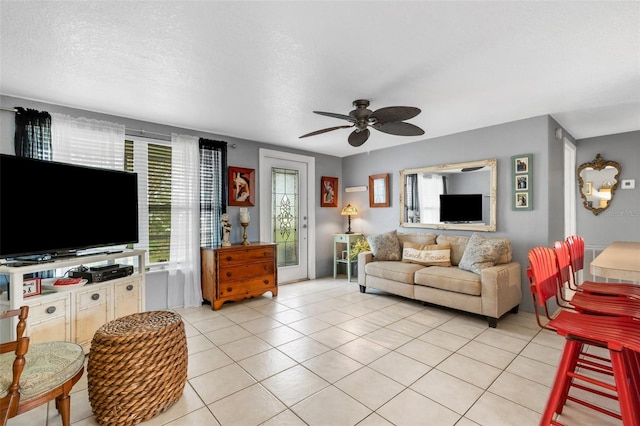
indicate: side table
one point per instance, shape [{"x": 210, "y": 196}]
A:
[{"x": 339, "y": 243}]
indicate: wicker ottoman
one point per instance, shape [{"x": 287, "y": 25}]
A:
[{"x": 137, "y": 367}]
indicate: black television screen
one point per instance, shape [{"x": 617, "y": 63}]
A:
[
  {"x": 460, "y": 207},
  {"x": 51, "y": 208}
]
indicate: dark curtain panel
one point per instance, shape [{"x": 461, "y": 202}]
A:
[
  {"x": 444, "y": 185},
  {"x": 33, "y": 134},
  {"x": 213, "y": 191}
]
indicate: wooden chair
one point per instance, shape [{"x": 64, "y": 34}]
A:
[
  {"x": 579, "y": 369},
  {"x": 38, "y": 373},
  {"x": 591, "y": 303},
  {"x": 575, "y": 244}
]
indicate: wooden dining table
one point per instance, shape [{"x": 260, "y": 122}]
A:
[{"x": 620, "y": 260}]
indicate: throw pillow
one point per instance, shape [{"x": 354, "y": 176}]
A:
[
  {"x": 385, "y": 246},
  {"x": 480, "y": 253},
  {"x": 427, "y": 255}
]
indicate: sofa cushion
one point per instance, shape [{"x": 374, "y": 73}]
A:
[
  {"x": 450, "y": 279},
  {"x": 421, "y": 238},
  {"x": 393, "y": 270},
  {"x": 458, "y": 244},
  {"x": 427, "y": 255},
  {"x": 481, "y": 252},
  {"x": 385, "y": 246}
]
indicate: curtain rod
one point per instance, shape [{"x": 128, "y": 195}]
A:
[{"x": 8, "y": 109}]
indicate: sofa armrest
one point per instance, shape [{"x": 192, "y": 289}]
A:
[
  {"x": 501, "y": 289},
  {"x": 364, "y": 257}
]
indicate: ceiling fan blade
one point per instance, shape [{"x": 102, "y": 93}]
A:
[
  {"x": 399, "y": 128},
  {"x": 394, "y": 113},
  {"x": 318, "y": 132},
  {"x": 357, "y": 138},
  {"x": 335, "y": 115}
]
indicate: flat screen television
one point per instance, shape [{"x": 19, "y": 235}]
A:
[
  {"x": 460, "y": 208},
  {"x": 54, "y": 209}
]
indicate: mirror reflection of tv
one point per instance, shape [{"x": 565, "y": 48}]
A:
[
  {"x": 55, "y": 209},
  {"x": 460, "y": 208}
]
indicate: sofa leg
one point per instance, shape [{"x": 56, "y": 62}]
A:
[
  {"x": 515, "y": 309},
  {"x": 363, "y": 289},
  {"x": 493, "y": 322}
]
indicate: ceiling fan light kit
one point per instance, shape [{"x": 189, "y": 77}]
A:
[{"x": 389, "y": 120}]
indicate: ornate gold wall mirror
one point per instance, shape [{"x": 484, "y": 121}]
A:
[{"x": 598, "y": 181}]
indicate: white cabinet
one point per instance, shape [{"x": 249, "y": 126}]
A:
[{"x": 75, "y": 314}]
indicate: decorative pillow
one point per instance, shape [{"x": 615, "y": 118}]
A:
[
  {"x": 385, "y": 246},
  {"x": 481, "y": 252},
  {"x": 427, "y": 255}
]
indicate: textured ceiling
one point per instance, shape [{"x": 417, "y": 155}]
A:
[{"x": 257, "y": 70}]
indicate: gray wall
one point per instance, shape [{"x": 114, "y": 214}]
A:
[
  {"x": 621, "y": 220},
  {"x": 525, "y": 229}
]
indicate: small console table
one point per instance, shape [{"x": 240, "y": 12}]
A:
[{"x": 339, "y": 243}]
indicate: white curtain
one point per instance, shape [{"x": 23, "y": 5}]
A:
[
  {"x": 87, "y": 142},
  {"x": 430, "y": 187},
  {"x": 184, "y": 263}
]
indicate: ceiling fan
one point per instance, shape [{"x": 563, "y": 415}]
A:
[{"x": 388, "y": 120}]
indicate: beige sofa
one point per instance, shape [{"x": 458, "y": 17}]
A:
[{"x": 492, "y": 292}]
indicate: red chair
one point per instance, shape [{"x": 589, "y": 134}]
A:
[
  {"x": 576, "y": 253},
  {"x": 619, "y": 335},
  {"x": 591, "y": 303}
]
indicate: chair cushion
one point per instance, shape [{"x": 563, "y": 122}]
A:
[
  {"x": 427, "y": 255},
  {"x": 47, "y": 366},
  {"x": 481, "y": 252},
  {"x": 385, "y": 246}
]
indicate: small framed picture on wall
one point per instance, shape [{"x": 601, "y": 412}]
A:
[
  {"x": 241, "y": 186},
  {"x": 328, "y": 191}
]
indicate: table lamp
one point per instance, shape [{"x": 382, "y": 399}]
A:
[{"x": 349, "y": 211}]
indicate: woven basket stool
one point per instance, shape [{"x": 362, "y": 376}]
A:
[{"x": 137, "y": 367}]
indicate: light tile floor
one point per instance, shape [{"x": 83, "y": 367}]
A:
[{"x": 322, "y": 353}]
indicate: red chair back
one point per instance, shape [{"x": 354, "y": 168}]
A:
[
  {"x": 576, "y": 254},
  {"x": 563, "y": 259},
  {"x": 543, "y": 274}
]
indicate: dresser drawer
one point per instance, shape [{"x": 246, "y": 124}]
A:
[
  {"x": 239, "y": 257},
  {"x": 48, "y": 310},
  {"x": 250, "y": 270},
  {"x": 249, "y": 286},
  {"x": 91, "y": 298}
]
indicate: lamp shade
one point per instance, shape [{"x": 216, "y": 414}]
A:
[{"x": 349, "y": 210}]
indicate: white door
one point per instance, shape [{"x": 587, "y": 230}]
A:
[{"x": 286, "y": 211}]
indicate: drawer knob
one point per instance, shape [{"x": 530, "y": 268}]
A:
[
  {"x": 51, "y": 309},
  {"x": 130, "y": 287},
  {"x": 229, "y": 289},
  {"x": 95, "y": 296},
  {"x": 266, "y": 281},
  {"x": 229, "y": 257},
  {"x": 228, "y": 274}
]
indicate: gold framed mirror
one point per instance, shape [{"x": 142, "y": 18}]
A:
[{"x": 598, "y": 181}]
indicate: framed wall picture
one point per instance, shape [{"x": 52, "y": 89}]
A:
[
  {"x": 241, "y": 186},
  {"x": 522, "y": 172},
  {"x": 379, "y": 190},
  {"x": 328, "y": 191},
  {"x": 31, "y": 287}
]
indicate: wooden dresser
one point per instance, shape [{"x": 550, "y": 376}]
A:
[{"x": 238, "y": 272}]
